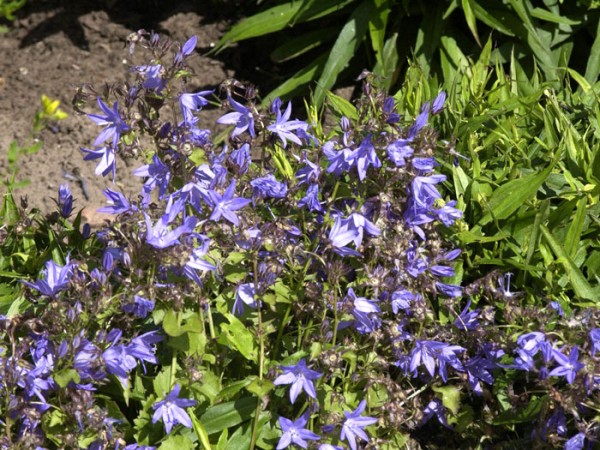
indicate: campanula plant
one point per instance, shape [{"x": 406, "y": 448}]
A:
[{"x": 312, "y": 298}]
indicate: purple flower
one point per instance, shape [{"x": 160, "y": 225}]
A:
[
  {"x": 568, "y": 366},
  {"x": 361, "y": 224},
  {"x": 186, "y": 50},
  {"x": 56, "y": 278},
  {"x": 467, "y": 320},
  {"x": 401, "y": 300},
  {"x": 284, "y": 128},
  {"x": 140, "y": 307},
  {"x": 161, "y": 236},
  {"x": 340, "y": 235},
  {"x": 354, "y": 425},
  {"x": 339, "y": 161},
  {"x": 365, "y": 156},
  {"x": 399, "y": 150},
  {"x": 171, "y": 411},
  {"x": 309, "y": 173},
  {"x": 428, "y": 352},
  {"x": 241, "y": 158},
  {"x": 107, "y": 158},
  {"x": 448, "y": 214},
  {"x": 112, "y": 122},
  {"x": 242, "y": 118},
  {"x": 225, "y": 204},
  {"x": 153, "y": 79},
  {"x": 65, "y": 200},
  {"x": 311, "y": 199},
  {"x": 300, "y": 377},
  {"x": 118, "y": 203},
  {"x": 294, "y": 432},
  {"x": 576, "y": 442},
  {"x": 438, "y": 103},
  {"x": 435, "y": 407},
  {"x": 192, "y": 103},
  {"x": 595, "y": 338},
  {"x": 268, "y": 186},
  {"x": 197, "y": 261},
  {"x": 158, "y": 174},
  {"x": 244, "y": 295}
]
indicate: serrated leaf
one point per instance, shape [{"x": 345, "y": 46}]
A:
[
  {"x": 227, "y": 415},
  {"x": 344, "y": 48}
]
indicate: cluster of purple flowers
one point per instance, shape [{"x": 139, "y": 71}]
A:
[{"x": 351, "y": 229}]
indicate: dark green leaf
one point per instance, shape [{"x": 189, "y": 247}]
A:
[
  {"x": 344, "y": 48},
  {"x": 226, "y": 415}
]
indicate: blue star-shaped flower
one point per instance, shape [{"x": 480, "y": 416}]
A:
[
  {"x": 171, "y": 411},
  {"x": 294, "y": 432},
  {"x": 354, "y": 424},
  {"x": 225, "y": 204},
  {"x": 300, "y": 377}
]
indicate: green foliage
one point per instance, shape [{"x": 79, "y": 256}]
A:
[
  {"x": 530, "y": 186},
  {"x": 342, "y": 38}
]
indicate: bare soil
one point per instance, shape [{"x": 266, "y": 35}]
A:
[{"x": 54, "y": 46}]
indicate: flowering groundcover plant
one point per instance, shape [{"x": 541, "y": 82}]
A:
[{"x": 310, "y": 298}]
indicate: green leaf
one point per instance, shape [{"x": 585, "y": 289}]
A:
[
  {"x": 496, "y": 18},
  {"x": 592, "y": 69},
  {"x": 580, "y": 285},
  {"x": 344, "y": 48},
  {"x": 581, "y": 81},
  {"x": 526, "y": 414},
  {"x": 576, "y": 228},
  {"x": 388, "y": 69},
  {"x": 227, "y": 415},
  {"x": 177, "y": 442},
  {"x": 297, "y": 81},
  {"x": 342, "y": 106},
  {"x": 541, "y": 50},
  {"x": 171, "y": 324},
  {"x": 292, "y": 48},
  {"x": 377, "y": 25},
  {"x": 512, "y": 195},
  {"x": 238, "y": 335},
  {"x": 277, "y": 18},
  {"x": 549, "y": 16},
  {"x": 65, "y": 376},
  {"x": 9, "y": 214},
  {"x": 260, "y": 388},
  {"x": 200, "y": 431},
  {"x": 467, "y": 6},
  {"x": 450, "y": 396}
]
